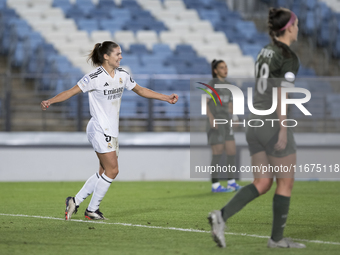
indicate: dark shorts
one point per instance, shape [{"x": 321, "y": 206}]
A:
[
  {"x": 220, "y": 135},
  {"x": 264, "y": 139}
]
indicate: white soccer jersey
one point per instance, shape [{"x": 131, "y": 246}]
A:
[{"x": 105, "y": 95}]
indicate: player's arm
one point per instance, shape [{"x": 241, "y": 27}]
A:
[
  {"x": 230, "y": 108},
  {"x": 210, "y": 116},
  {"x": 148, "y": 93},
  {"x": 282, "y": 140},
  {"x": 60, "y": 97},
  {"x": 289, "y": 67}
]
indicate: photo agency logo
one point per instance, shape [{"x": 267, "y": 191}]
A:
[{"x": 238, "y": 104}]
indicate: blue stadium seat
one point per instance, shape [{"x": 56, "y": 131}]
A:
[
  {"x": 146, "y": 59},
  {"x": 260, "y": 39},
  {"x": 251, "y": 49},
  {"x": 157, "y": 26},
  {"x": 167, "y": 70},
  {"x": 19, "y": 32},
  {"x": 309, "y": 27},
  {"x": 131, "y": 4},
  {"x": 106, "y": 4},
  {"x": 123, "y": 14},
  {"x": 33, "y": 41},
  {"x": 324, "y": 34},
  {"x": 65, "y": 5},
  {"x": 161, "y": 50},
  {"x": 212, "y": 15},
  {"x": 19, "y": 55},
  {"x": 86, "y": 6},
  {"x": 161, "y": 84},
  {"x": 310, "y": 4},
  {"x": 111, "y": 25},
  {"x": 134, "y": 26},
  {"x": 138, "y": 49},
  {"x": 164, "y": 110},
  {"x": 184, "y": 49},
  {"x": 75, "y": 13},
  {"x": 192, "y": 4},
  {"x": 179, "y": 85},
  {"x": 128, "y": 108},
  {"x": 36, "y": 64},
  {"x": 99, "y": 13},
  {"x": 130, "y": 59},
  {"x": 143, "y": 82},
  {"x": 322, "y": 13},
  {"x": 88, "y": 25},
  {"x": 137, "y": 14},
  {"x": 246, "y": 28}
]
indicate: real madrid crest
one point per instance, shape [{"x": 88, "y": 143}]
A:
[{"x": 120, "y": 81}]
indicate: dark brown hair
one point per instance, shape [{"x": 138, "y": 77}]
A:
[
  {"x": 277, "y": 19},
  {"x": 214, "y": 65},
  {"x": 99, "y": 50}
]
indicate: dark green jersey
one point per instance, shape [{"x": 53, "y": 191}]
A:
[
  {"x": 220, "y": 111},
  {"x": 273, "y": 68}
]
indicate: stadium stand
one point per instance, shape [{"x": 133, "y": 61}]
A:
[
  {"x": 51, "y": 38},
  {"x": 72, "y": 28},
  {"x": 319, "y": 20}
]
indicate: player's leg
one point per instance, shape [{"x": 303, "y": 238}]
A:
[
  {"x": 72, "y": 203},
  {"x": 108, "y": 162},
  {"x": 281, "y": 202},
  {"x": 230, "y": 149},
  {"x": 260, "y": 186},
  {"x": 245, "y": 195},
  {"x": 88, "y": 187},
  {"x": 217, "y": 150}
]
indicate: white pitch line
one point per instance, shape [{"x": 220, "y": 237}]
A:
[{"x": 165, "y": 228}]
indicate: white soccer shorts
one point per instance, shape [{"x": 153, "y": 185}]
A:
[{"x": 100, "y": 142}]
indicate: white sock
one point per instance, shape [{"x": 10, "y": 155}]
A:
[
  {"x": 232, "y": 181},
  {"x": 216, "y": 185},
  {"x": 99, "y": 192},
  {"x": 87, "y": 189}
]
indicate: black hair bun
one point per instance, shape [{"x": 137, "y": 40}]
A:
[{"x": 272, "y": 12}]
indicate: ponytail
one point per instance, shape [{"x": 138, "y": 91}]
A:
[
  {"x": 277, "y": 21},
  {"x": 99, "y": 50}
]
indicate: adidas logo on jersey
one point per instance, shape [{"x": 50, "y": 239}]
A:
[{"x": 106, "y": 84}]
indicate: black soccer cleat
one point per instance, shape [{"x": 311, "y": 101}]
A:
[{"x": 96, "y": 215}]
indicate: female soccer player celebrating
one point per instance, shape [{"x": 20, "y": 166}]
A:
[
  {"x": 221, "y": 138},
  {"x": 269, "y": 145},
  {"x": 105, "y": 86}
]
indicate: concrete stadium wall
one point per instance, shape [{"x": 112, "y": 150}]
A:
[{"x": 142, "y": 156}]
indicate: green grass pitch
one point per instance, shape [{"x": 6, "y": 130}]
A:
[{"x": 314, "y": 215}]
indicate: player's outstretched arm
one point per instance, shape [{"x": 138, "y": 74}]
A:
[
  {"x": 60, "y": 97},
  {"x": 148, "y": 93}
]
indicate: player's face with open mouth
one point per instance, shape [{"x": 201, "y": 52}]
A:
[{"x": 115, "y": 57}]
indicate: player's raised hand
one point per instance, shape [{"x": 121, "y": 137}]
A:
[
  {"x": 45, "y": 104},
  {"x": 173, "y": 98}
]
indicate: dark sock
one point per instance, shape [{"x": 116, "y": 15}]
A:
[
  {"x": 280, "y": 213},
  {"x": 215, "y": 161},
  {"x": 242, "y": 197},
  {"x": 231, "y": 163}
]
